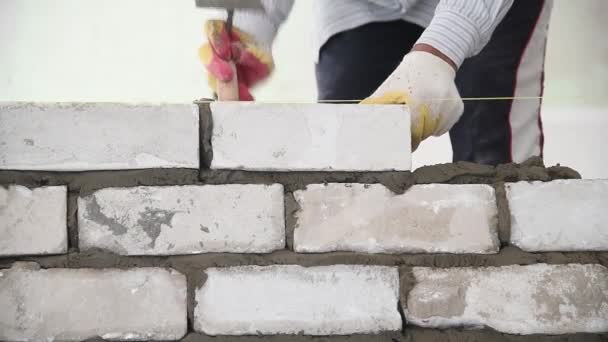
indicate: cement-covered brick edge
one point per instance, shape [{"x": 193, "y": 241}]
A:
[{"x": 291, "y": 207}]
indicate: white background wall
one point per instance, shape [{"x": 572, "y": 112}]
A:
[{"x": 145, "y": 51}]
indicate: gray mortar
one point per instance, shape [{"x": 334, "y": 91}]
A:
[
  {"x": 72, "y": 220},
  {"x": 97, "y": 258},
  {"x": 195, "y": 280},
  {"x": 461, "y": 172},
  {"x": 407, "y": 281},
  {"x": 205, "y": 134},
  {"x": 396, "y": 181},
  {"x": 504, "y": 215},
  {"x": 89, "y": 181},
  {"x": 469, "y": 173}
]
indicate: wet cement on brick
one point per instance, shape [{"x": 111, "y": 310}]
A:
[{"x": 84, "y": 183}]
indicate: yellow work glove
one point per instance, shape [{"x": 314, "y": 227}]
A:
[
  {"x": 253, "y": 61},
  {"x": 425, "y": 83}
]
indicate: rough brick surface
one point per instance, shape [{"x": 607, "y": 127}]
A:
[
  {"x": 330, "y": 300},
  {"x": 536, "y": 299},
  {"x": 183, "y": 219},
  {"x": 563, "y": 215},
  {"x": 370, "y": 218},
  {"x": 76, "y": 304},
  {"x": 97, "y": 136},
  {"x": 33, "y": 221},
  {"x": 310, "y": 137}
]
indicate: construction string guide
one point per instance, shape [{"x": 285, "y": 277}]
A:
[{"x": 498, "y": 98}]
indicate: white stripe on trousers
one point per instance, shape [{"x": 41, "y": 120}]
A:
[{"x": 524, "y": 120}]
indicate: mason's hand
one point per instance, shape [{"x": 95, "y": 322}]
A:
[
  {"x": 425, "y": 82},
  {"x": 253, "y": 62}
]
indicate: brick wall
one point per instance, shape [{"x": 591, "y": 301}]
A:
[{"x": 255, "y": 222}]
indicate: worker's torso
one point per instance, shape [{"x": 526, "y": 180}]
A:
[{"x": 335, "y": 16}]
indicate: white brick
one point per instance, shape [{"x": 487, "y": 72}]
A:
[
  {"x": 329, "y": 300},
  {"x": 536, "y": 299},
  {"x": 77, "y": 304},
  {"x": 562, "y": 215},
  {"x": 183, "y": 219},
  {"x": 288, "y": 137},
  {"x": 74, "y": 137},
  {"x": 33, "y": 221},
  {"x": 371, "y": 219}
]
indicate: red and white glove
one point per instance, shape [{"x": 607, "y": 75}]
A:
[
  {"x": 253, "y": 60},
  {"x": 425, "y": 82}
]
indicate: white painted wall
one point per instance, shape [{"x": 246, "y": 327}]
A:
[{"x": 145, "y": 51}]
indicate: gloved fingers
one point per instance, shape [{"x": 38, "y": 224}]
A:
[
  {"x": 454, "y": 109},
  {"x": 216, "y": 66},
  {"x": 421, "y": 121},
  {"x": 221, "y": 41},
  {"x": 253, "y": 63},
  {"x": 244, "y": 93},
  {"x": 242, "y": 36},
  {"x": 218, "y": 38},
  {"x": 253, "y": 66},
  {"x": 424, "y": 124},
  {"x": 251, "y": 55},
  {"x": 389, "y": 97}
]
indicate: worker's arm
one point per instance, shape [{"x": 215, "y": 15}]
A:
[
  {"x": 461, "y": 28},
  {"x": 425, "y": 78},
  {"x": 250, "y": 45}
]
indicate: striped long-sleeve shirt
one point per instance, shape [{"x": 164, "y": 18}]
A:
[{"x": 458, "y": 28}]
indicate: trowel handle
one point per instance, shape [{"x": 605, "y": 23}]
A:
[{"x": 229, "y": 91}]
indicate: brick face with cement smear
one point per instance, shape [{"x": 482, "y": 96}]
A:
[
  {"x": 33, "y": 221},
  {"x": 183, "y": 219},
  {"x": 370, "y": 218},
  {"x": 535, "y": 299},
  {"x": 299, "y": 137},
  {"x": 77, "y": 304},
  {"x": 562, "y": 215},
  {"x": 328, "y": 300},
  {"x": 102, "y": 136}
]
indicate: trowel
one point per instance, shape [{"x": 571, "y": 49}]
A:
[{"x": 229, "y": 91}]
